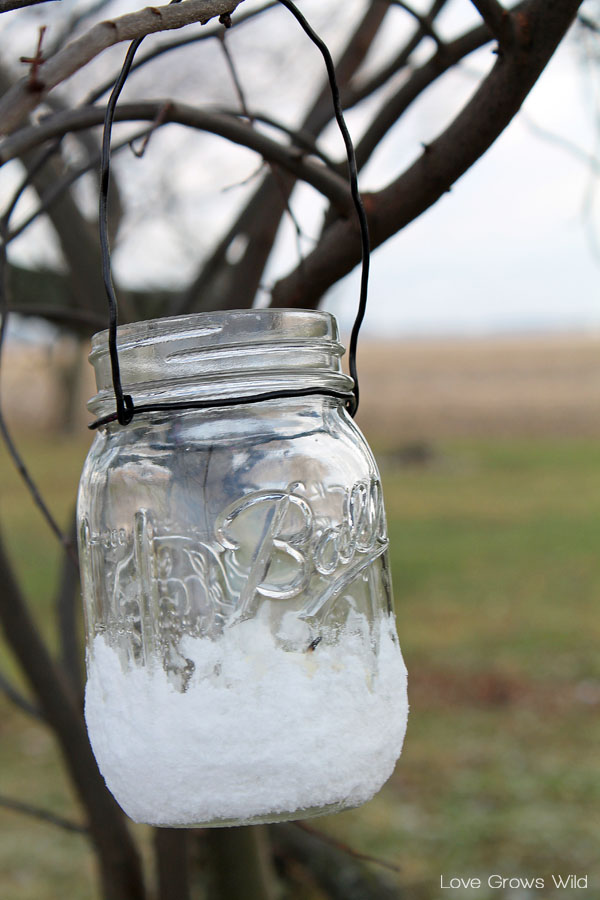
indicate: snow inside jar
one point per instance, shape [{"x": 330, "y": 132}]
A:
[{"x": 242, "y": 658}]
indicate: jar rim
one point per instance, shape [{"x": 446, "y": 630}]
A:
[
  {"x": 293, "y": 322},
  {"x": 221, "y": 354}
]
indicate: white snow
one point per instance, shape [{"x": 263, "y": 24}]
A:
[{"x": 261, "y": 731}]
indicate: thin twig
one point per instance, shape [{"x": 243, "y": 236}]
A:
[
  {"x": 424, "y": 21},
  {"x": 20, "y": 100},
  {"x": 63, "y": 184},
  {"x": 160, "y": 119},
  {"x": 364, "y": 857},
  {"x": 4, "y": 431},
  {"x": 244, "y": 181},
  {"x": 34, "y": 82},
  {"x": 357, "y": 93},
  {"x": 44, "y": 815},
  {"x": 591, "y": 162},
  {"x": 32, "y": 171},
  {"x": 587, "y": 22},
  {"x": 234, "y": 77},
  {"x": 206, "y": 34},
  {"x": 15, "y": 697},
  {"x": 292, "y": 217},
  {"x": 302, "y": 138}
]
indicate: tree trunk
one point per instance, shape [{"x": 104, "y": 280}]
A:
[
  {"x": 241, "y": 863},
  {"x": 120, "y": 869}
]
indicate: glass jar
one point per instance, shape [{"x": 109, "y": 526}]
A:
[{"x": 243, "y": 664}]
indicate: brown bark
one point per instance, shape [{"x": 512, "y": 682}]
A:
[
  {"x": 172, "y": 863},
  {"x": 68, "y": 615},
  {"x": 120, "y": 868},
  {"x": 241, "y": 863}
]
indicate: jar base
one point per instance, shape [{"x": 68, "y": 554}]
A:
[{"x": 267, "y": 818}]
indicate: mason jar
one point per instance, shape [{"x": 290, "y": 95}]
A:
[{"x": 242, "y": 657}]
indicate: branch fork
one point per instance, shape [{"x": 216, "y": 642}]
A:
[
  {"x": 34, "y": 83},
  {"x": 20, "y": 100}
]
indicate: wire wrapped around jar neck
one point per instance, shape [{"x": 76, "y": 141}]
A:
[
  {"x": 205, "y": 360},
  {"x": 126, "y": 409}
]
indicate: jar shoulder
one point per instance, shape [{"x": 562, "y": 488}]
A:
[{"x": 327, "y": 444}]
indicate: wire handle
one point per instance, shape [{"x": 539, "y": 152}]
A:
[
  {"x": 126, "y": 409},
  {"x": 125, "y": 406}
]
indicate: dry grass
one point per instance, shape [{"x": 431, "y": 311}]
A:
[
  {"x": 499, "y": 387},
  {"x": 546, "y": 386}
]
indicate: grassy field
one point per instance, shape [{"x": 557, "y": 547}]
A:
[{"x": 496, "y": 567}]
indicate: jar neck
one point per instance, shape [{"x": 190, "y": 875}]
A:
[{"x": 221, "y": 355}]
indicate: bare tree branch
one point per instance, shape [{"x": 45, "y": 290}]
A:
[
  {"x": 8, "y": 5},
  {"x": 251, "y": 878},
  {"x": 235, "y": 78},
  {"x": 259, "y": 220},
  {"x": 442, "y": 162},
  {"x": 422, "y": 77},
  {"x": 355, "y": 93},
  {"x": 75, "y": 20},
  {"x": 21, "y": 99},
  {"x": 4, "y": 430},
  {"x": 67, "y": 606},
  {"x": 168, "y": 46},
  {"x": 221, "y": 285},
  {"x": 60, "y": 185},
  {"x": 79, "y": 320},
  {"x": 44, "y": 815},
  {"x": 497, "y": 19},
  {"x": 341, "y": 875},
  {"x": 15, "y": 697},
  {"x": 326, "y": 182},
  {"x": 425, "y": 22},
  {"x": 119, "y": 861},
  {"x": 587, "y": 22},
  {"x": 365, "y": 857},
  {"x": 172, "y": 863}
]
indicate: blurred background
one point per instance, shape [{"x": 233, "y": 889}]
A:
[{"x": 490, "y": 461}]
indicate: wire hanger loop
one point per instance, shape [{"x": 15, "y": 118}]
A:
[{"x": 126, "y": 409}]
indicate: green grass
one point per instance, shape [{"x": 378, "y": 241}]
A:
[{"x": 495, "y": 550}]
